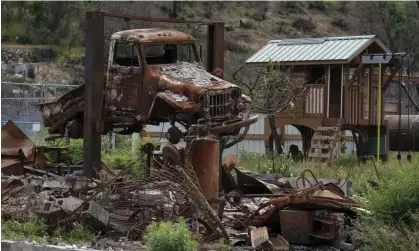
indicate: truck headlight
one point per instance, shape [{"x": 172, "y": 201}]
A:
[{"x": 235, "y": 93}]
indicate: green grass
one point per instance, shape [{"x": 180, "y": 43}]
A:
[
  {"x": 393, "y": 219},
  {"x": 34, "y": 230},
  {"x": 342, "y": 168}
]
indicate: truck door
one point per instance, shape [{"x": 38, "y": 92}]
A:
[{"x": 124, "y": 80}]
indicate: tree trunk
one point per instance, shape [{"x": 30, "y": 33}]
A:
[{"x": 275, "y": 135}]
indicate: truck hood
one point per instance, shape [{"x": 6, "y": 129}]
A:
[{"x": 189, "y": 79}]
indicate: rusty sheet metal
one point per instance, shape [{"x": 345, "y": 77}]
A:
[
  {"x": 16, "y": 149},
  {"x": 11, "y": 166},
  {"x": 250, "y": 185},
  {"x": 298, "y": 183},
  {"x": 230, "y": 162},
  {"x": 204, "y": 157},
  {"x": 153, "y": 35},
  {"x": 258, "y": 236},
  {"x": 228, "y": 182},
  {"x": 188, "y": 78},
  {"x": 312, "y": 227},
  {"x": 317, "y": 197},
  {"x": 53, "y": 111},
  {"x": 179, "y": 101},
  {"x": 14, "y": 141},
  {"x": 296, "y": 226},
  {"x": 233, "y": 127},
  {"x": 123, "y": 91},
  {"x": 279, "y": 243}
]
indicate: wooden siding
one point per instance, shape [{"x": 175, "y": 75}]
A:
[
  {"x": 314, "y": 104},
  {"x": 353, "y": 113}
]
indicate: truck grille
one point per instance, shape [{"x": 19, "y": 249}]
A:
[{"x": 219, "y": 105}]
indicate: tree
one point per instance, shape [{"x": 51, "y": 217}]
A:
[
  {"x": 273, "y": 90},
  {"x": 395, "y": 23}
]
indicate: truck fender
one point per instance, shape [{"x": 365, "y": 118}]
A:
[{"x": 178, "y": 102}]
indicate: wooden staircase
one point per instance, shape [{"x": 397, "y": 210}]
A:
[{"x": 323, "y": 143}]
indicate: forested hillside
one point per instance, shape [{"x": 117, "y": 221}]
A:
[{"x": 249, "y": 25}]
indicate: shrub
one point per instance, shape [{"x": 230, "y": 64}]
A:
[
  {"x": 345, "y": 160},
  {"x": 247, "y": 24},
  {"x": 74, "y": 152},
  {"x": 284, "y": 27},
  {"x": 393, "y": 221},
  {"x": 378, "y": 235},
  {"x": 397, "y": 197},
  {"x": 304, "y": 24},
  {"x": 188, "y": 12},
  {"x": 236, "y": 46},
  {"x": 295, "y": 6},
  {"x": 318, "y": 5},
  {"x": 340, "y": 22},
  {"x": 169, "y": 236}
]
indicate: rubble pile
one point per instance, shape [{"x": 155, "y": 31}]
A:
[
  {"x": 254, "y": 211},
  {"x": 119, "y": 205}
]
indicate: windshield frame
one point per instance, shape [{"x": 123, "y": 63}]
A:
[{"x": 191, "y": 43}]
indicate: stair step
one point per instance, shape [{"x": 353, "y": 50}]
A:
[
  {"x": 323, "y": 137},
  {"x": 327, "y": 128},
  {"x": 320, "y": 147},
  {"x": 319, "y": 155}
]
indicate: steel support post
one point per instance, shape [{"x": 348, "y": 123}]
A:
[
  {"x": 215, "y": 46},
  {"x": 93, "y": 93}
]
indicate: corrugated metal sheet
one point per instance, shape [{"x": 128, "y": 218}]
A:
[
  {"x": 311, "y": 49},
  {"x": 252, "y": 145}
]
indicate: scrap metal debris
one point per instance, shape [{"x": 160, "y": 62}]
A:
[{"x": 257, "y": 211}]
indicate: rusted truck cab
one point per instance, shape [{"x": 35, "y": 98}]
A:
[{"x": 155, "y": 75}]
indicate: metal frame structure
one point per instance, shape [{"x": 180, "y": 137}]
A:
[
  {"x": 94, "y": 76},
  {"x": 385, "y": 58}
]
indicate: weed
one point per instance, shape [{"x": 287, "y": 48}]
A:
[
  {"x": 35, "y": 230},
  {"x": 169, "y": 236},
  {"x": 269, "y": 163},
  {"x": 217, "y": 247},
  {"x": 30, "y": 229},
  {"x": 78, "y": 235}
]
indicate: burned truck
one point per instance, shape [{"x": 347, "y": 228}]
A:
[{"x": 154, "y": 76}]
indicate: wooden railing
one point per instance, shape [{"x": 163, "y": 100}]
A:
[
  {"x": 373, "y": 106},
  {"x": 353, "y": 112},
  {"x": 314, "y": 101}
]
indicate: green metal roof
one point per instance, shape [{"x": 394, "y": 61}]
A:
[{"x": 312, "y": 50}]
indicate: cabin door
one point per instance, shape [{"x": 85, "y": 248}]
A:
[
  {"x": 125, "y": 75},
  {"x": 335, "y": 92}
]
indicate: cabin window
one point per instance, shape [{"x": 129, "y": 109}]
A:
[
  {"x": 316, "y": 75},
  {"x": 126, "y": 54},
  {"x": 170, "y": 54}
]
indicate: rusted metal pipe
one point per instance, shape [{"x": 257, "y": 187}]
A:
[{"x": 204, "y": 157}]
